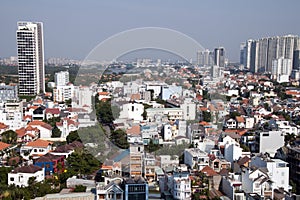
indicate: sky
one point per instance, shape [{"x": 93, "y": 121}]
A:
[{"x": 72, "y": 28}]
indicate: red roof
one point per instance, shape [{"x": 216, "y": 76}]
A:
[
  {"x": 39, "y": 143},
  {"x": 27, "y": 117},
  {"x": 3, "y": 126},
  {"x": 209, "y": 171},
  {"x": 103, "y": 93},
  {"x": 3, "y": 146},
  {"x": 53, "y": 111},
  {"x": 40, "y": 123},
  {"x": 69, "y": 122},
  {"x": 135, "y": 130},
  {"x": 240, "y": 119}
]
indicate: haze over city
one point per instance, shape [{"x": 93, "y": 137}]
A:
[{"x": 73, "y": 28}]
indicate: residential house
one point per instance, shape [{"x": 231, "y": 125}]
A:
[
  {"x": 214, "y": 179},
  {"x": 195, "y": 158},
  {"x": 257, "y": 181},
  {"x": 277, "y": 170},
  {"x": 52, "y": 112},
  {"x": 270, "y": 141},
  {"x": 232, "y": 187},
  {"x": 111, "y": 191},
  {"x": 181, "y": 185},
  {"x": 36, "y": 148},
  {"x": 27, "y": 134},
  {"x": 51, "y": 163},
  {"x": 45, "y": 129},
  {"x": 21, "y": 175}
]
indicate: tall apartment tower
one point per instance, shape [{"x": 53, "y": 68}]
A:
[
  {"x": 205, "y": 58},
  {"x": 30, "y": 46},
  {"x": 219, "y": 57}
]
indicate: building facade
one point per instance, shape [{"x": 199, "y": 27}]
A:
[{"x": 30, "y": 45}]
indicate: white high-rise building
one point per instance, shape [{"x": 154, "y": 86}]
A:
[
  {"x": 30, "y": 45},
  {"x": 281, "y": 69},
  {"x": 61, "y": 78},
  {"x": 219, "y": 57}
]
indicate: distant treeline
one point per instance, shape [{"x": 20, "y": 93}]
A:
[{"x": 8, "y": 73}]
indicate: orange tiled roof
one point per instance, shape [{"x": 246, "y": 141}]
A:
[
  {"x": 103, "y": 93},
  {"x": 3, "y": 126},
  {"x": 209, "y": 171},
  {"x": 69, "y": 122},
  {"x": 240, "y": 119},
  {"x": 39, "y": 143},
  {"x": 134, "y": 130},
  {"x": 203, "y": 109},
  {"x": 204, "y": 123},
  {"x": 3, "y": 146},
  {"x": 27, "y": 116},
  {"x": 135, "y": 97},
  {"x": 40, "y": 123},
  {"x": 54, "y": 111}
]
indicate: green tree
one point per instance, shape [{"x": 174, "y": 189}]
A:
[
  {"x": 152, "y": 146},
  {"x": 104, "y": 112},
  {"x": 119, "y": 138},
  {"x": 73, "y": 136},
  {"x": 56, "y": 133},
  {"x": 79, "y": 188},
  {"x": 9, "y": 137},
  {"x": 206, "y": 116}
]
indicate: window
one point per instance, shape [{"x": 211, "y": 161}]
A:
[{"x": 12, "y": 179}]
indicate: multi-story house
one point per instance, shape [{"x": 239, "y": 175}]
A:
[{"x": 21, "y": 175}]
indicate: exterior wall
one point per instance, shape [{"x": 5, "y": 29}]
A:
[
  {"x": 189, "y": 110},
  {"x": 232, "y": 152},
  {"x": 61, "y": 78},
  {"x": 8, "y": 92},
  {"x": 196, "y": 157},
  {"x": 181, "y": 186},
  {"x": 132, "y": 111},
  {"x": 31, "y": 58},
  {"x": 169, "y": 90},
  {"x": 270, "y": 141},
  {"x": 21, "y": 179}
]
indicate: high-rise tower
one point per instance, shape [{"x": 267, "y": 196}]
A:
[
  {"x": 219, "y": 56},
  {"x": 30, "y": 45}
]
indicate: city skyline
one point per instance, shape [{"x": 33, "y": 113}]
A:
[{"x": 73, "y": 29}]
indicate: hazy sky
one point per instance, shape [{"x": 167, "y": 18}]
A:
[{"x": 72, "y": 28}]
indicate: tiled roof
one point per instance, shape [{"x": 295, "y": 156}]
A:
[
  {"x": 240, "y": 119},
  {"x": 209, "y": 171},
  {"x": 53, "y": 111},
  {"x": 135, "y": 96},
  {"x": 47, "y": 158},
  {"x": 40, "y": 123},
  {"x": 134, "y": 130},
  {"x": 3, "y": 146},
  {"x": 69, "y": 122},
  {"x": 103, "y": 93},
  {"x": 39, "y": 143},
  {"x": 27, "y": 169},
  {"x": 27, "y": 117},
  {"x": 3, "y": 126},
  {"x": 243, "y": 160}
]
